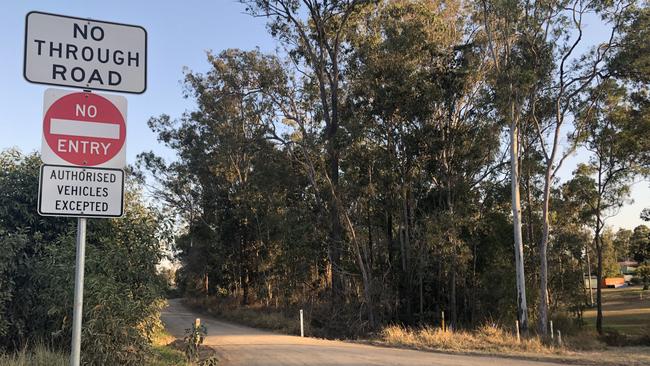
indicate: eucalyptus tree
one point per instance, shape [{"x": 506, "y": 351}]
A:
[
  {"x": 640, "y": 244},
  {"x": 418, "y": 93},
  {"x": 220, "y": 148},
  {"x": 571, "y": 76},
  {"x": 615, "y": 134},
  {"x": 552, "y": 32},
  {"x": 519, "y": 62},
  {"x": 313, "y": 33}
]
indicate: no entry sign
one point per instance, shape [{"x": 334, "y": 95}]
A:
[
  {"x": 81, "y": 192},
  {"x": 85, "y": 53},
  {"x": 84, "y": 129}
]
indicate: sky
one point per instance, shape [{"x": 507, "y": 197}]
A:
[{"x": 179, "y": 34}]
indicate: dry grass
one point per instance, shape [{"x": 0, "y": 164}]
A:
[
  {"x": 486, "y": 339},
  {"x": 583, "y": 348},
  {"x": 253, "y": 315}
]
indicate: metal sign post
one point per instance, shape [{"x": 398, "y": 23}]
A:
[
  {"x": 84, "y": 134},
  {"x": 78, "y": 292}
]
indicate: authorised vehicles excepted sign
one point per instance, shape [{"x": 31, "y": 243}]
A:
[
  {"x": 85, "y": 53},
  {"x": 80, "y": 192},
  {"x": 84, "y": 129}
]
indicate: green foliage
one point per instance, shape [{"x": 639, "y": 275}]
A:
[
  {"x": 193, "y": 339},
  {"x": 361, "y": 174},
  {"x": 122, "y": 292},
  {"x": 643, "y": 272},
  {"x": 640, "y": 244},
  {"x": 610, "y": 263},
  {"x": 622, "y": 244},
  {"x": 633, "y": 60},
  {"x": 11, "y": 244}
]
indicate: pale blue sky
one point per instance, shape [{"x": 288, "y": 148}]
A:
[{"x": 179, "y": 33}]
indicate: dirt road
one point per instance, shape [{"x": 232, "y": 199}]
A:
[{"x": 238, "y": 345}]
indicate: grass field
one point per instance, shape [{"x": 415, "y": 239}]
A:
[{"x": 624, "y": 310}]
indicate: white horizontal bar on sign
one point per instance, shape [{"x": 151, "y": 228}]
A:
[{"x": 84, "y": 129}]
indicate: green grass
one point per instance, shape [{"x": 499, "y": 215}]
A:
[
  {"x": 164, "y": 354},
  {"x": 167, "y": 356},
  {"x": 39, "y": 355},
  {"x": 624, "y": 311}
]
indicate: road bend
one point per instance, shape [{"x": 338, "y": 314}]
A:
[{"x": 238, "y": 345}]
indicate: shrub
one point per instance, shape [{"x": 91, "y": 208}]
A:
[
  {"x": 122, "y": 290},
  {"x": 643, "y": 273},
  {"x": 615, "y": 338}
]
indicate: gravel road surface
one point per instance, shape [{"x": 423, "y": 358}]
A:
[{"x": 238, "y": 345}]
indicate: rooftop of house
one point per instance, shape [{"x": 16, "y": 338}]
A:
[{"x": 629, "y": 263}]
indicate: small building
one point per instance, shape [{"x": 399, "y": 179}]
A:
[
  {"x": 628, "y": 267},
  {"x": 613, "y": 282},
  {"x": 594, "y": 282}
]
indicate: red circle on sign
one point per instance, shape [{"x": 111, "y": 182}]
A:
[{"x": 84, "y": 129}]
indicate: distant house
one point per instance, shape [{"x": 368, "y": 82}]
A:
[
  {"x": 594, "y": 282},
  {"x": 628, "y": 268},
  {"x": 613, "y": 282}
]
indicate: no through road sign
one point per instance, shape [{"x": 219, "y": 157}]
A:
[
  {"x": 85, "y": 53},
  {"x": 84, "y": 129}
]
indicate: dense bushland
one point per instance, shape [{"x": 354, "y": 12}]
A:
[
  {"x": 373, "y": 172},
  {"x": 122, "y": 294}
]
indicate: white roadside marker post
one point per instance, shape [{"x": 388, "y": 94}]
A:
[
  {"x": 517, "y": 328},
  {"x": 78, "y": 292},
  {"x": 443, "y": 321},
  {"x": 302, "y": 328},
  {"x": 551, "y": 329}
]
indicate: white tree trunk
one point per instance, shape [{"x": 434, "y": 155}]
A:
[
  {"x": 543, "y": 262},
  {"x": 522, "y": 307}
]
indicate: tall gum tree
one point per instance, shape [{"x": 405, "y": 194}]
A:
[
  {"x": 504, "y": 26},
  {"x": 555, "y": 29},
  {"x": 419, "y": 89},
  {"x": 617, "y": 132},
  {"x": 317, "y": 43}
]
